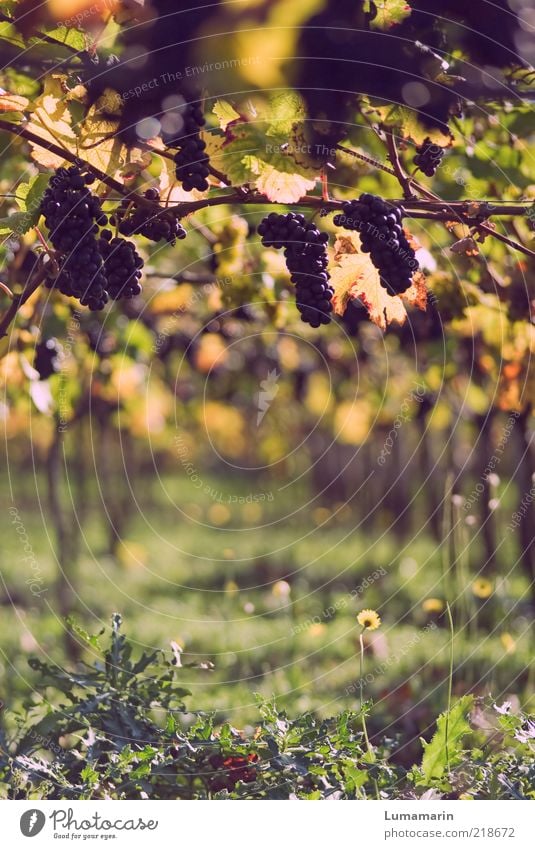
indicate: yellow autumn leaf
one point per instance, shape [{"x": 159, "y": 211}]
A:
[
  {"x": 355, "y": 276},
  {"x": 411, "y": 128},
  {"x": 77, "y": 92},
  {"x": 416, "y": 296},
  {"x": 281, "y": 187},
  {"x": 51, "y": 120},
  {"x": 101, "y": 146},
  {"x": 225, "y": 112},
  {"x": 137, "y": 161}
]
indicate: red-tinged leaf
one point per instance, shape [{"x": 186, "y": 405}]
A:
[
  {"x": 416, "y": 296},
  {"x": 13, "y": 103},
  {"x": 355, "y": 276}
]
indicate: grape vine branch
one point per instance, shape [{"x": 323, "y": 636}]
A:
[
  {"x": 428, "y": 206},
  {"x": 32, "y": 284}
]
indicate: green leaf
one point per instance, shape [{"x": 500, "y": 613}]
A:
[
  {"x": 170, "y": 725},
  {"x": 357, "y": 777},
  {"x": 261, "y": 153},
  {"x": 91, "y": 639},
  {"x": 69, "y": 36},
  {"x": 285, "y": 111},
  {"x": 410, "y": 126},
  {"x": 19, "y": 223},
  {"x": 89, "y": 775},
  {"x": 225, "y": 112},
  {"x": 29, "y": 195},
  {"x": 10, "y": 34},
  {"x": 434, "y": 761}
]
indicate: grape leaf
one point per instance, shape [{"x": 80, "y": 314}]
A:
[
  {"x": 101, "y": 146},
  {"x": 285, "y": 111},
  {"x": 259, "y": 152},
  {"x": 51, "y": 120},
  {"x": 9, "y": 33},
  {"x": 69, "y": 36},
  {"x": 29, "y": 194},
  {"x": 225, "y": 112},
  {"x": 19, "y": 223},
  {"x": 416, "y": 296},
  {"x": 282, "y": 187},
  {"x": 355, "y": 276},
  {"x": 410, "y": 127},
  {"x": 390, "y": 12}
]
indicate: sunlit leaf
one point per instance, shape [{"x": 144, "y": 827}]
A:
[
  {"x": 283, "y": 187},
  {"x": 355, "y": 276},
  {"x": 225, "y": 112},
  {"x": 13, "y": 103},
  {"x": 389, "y": 13},
  {"x": 51, "y": 120}
]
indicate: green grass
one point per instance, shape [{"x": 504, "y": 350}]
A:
[{"x": 215, "y": 592}]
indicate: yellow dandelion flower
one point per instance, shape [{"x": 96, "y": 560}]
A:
[
  {"x": 508, "y": 642},
  {"x": 482, "y": 587},
  {"x": 433, "y": 605},
  {"x": 369, "y": 619}
]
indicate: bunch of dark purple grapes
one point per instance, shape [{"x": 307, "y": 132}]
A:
[
  {"x": 191, "y": 160},
  {"x": 135, "y": 220},
  {"x": 122, "y": 266},
  {"x": 306, "y": 259},
  {"x": 428, "y": 157},
  {"x": 73, "y": 215},
  {"x": 379, "y": 225},
  {"x": 92, "y": 268}
]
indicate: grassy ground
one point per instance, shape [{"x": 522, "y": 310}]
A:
[{"x": 273, "y": 609}]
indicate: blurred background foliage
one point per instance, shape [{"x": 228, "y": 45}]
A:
[{"x": 145, "y": 482}]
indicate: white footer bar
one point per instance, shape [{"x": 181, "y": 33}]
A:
[{"x": 268, "y": 825}]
